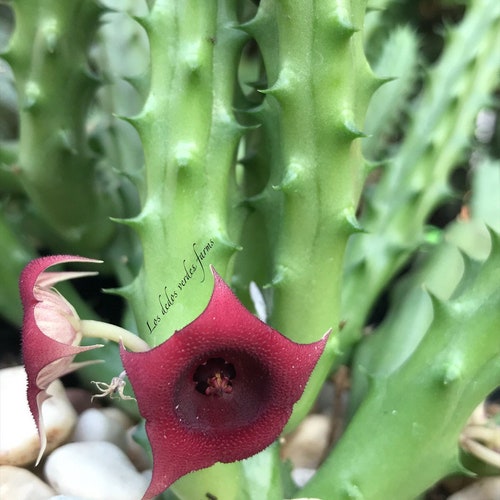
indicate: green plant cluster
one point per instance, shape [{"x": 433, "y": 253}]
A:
[{"x": 343, "y": 156}]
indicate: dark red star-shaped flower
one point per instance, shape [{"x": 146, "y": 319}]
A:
[{"x": 219, "y": 390}]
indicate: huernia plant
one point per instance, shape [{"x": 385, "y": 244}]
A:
[
  {"x": 228, "y": 158},
  {"x": 219, "y": 390},
  {"x": 52, "y": 331}
]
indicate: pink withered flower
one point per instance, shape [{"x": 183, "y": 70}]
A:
[
  {"x": 219, "y": 390},
  {"x": 50, "y": 334}
]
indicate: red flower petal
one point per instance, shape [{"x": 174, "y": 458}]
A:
[
  {"x": 46, "y": 358},
  {"x": 219, "y": 390}
]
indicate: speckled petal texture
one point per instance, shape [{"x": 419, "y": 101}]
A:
[{"x": 189, "y": 430}]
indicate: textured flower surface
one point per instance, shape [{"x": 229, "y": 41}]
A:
[
  {"x": 50, "y": 331},
  {"x": 219, "y": 390}
]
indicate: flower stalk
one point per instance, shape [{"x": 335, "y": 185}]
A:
[{"x": 90, "y": 328}]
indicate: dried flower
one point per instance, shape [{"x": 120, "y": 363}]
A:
[{"x": 51, "y": 333}]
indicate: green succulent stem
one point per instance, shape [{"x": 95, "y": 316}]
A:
[
  {"x": 424, "y": 400},
  {"x": 189, "y": 217},
  {"x": 14, "y": 255},
  {"x": 415, "y": 180},
  {"x": 319, "y": 88},
  {"x": 55, "y": 86}
]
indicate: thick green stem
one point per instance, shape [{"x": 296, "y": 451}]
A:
[
  {"x": 415, "y": 181},
  {"x": 407, "y": 428},
  {"x": 189, "y": 218},
  {"x": 48, "y": 55},
  {"x": 320, "y": 85},
  {"x": 14, "y": 255}
]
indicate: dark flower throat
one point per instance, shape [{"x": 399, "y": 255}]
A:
[{"x": 214, "y": 376}]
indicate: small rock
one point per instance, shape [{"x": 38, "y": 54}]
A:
[
  {"x": 487, "y": 488},
  {"x": 21, "y": 484},
  {"x": 66, "y": 497},
  {"x": 147, "y": 475},
  {"x": 119, "y": 416},
  {"x": 97, "y": 425},
  {"x": 19, "y": 443},
  {"x": 94, "y": 470},
  {"x": 302, "y": 475},
  {"x": 307, "y": 445}
]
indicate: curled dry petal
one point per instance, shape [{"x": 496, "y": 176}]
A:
[
  {"x": 50, "y": 335},
  {"x": 219, "y": 390}
]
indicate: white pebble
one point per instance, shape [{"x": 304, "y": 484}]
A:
[
  {"x": 19, "y": 443},
  {"x": 21, "y": 484},
  {"x": 119, "y": 416},
  {"x": 97, "y": 425},
  {"x": 65, "y": 497},
  {"x": 302, "y": 475},
  {"x": 94, "y": 470},
  {"x": 487, "y": 488},
  {"x": 306, "y": 446}
]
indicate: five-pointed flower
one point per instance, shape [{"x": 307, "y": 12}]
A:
[
  {"x": 50, "y": 333},
  {"x": 219, "y": 390}
]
